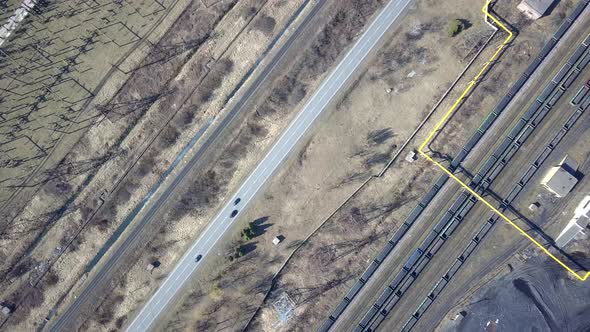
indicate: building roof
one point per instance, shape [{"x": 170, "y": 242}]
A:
[
  {"x": 583, "y": 208},
  {"x": 569, "y": 233},
  {"x": 540, "y": 6},
  {"x": 582, "y": 221},
  {"x": 576, "y": 224},
  {"x": 535, "y": 8},
  {"x": 559, "y": 181}
]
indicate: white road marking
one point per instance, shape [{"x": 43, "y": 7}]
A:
[{"x": 296, "y": 129}]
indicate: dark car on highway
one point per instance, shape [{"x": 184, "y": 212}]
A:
[
  {"x": 237, "y": 201},
  {"x": 198, "y": 258},
  {"x": 233, "y": 213}
]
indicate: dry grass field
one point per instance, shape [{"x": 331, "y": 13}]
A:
[
  {"x": 193, "y": 70},
  {"x": 182, "y": 82},
  {"x": 354, "y": 141},
  {"x": 368, "y": 125}
]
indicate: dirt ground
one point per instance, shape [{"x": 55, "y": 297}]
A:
[
  {"x": 305, "y": 71},
  {"x": 531, "y": 36},
  {"x": 304, "y": 193},
  {"x": 55, "y": 120},
  {"x": 183, "y": 215},
  {"x": 225, "y": 60},
  {"x": 529, "y": 291},
  {"x": 537, "y": 295}
]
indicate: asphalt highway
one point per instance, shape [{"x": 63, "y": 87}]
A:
[
  {"x": 297, "y": 128},
  {"x": 67, "y": 319}
]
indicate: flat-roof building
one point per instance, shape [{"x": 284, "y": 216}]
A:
[
  {"x": 411, "y": 156},
  {"x": 6, "y": 311},
  {"x": 577, "y": 224},
  {"x": 535, "y": 9},
  {"x": 561, "y": 179}
]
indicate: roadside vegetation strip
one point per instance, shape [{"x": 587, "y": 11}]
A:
[
  {"x": 201, "y": 131},
  {"x": 123, "y": 226},
  {"x": 128, "y": 241},
  {"x": 416, "y": 212},
  {"x": 443, "y": 121}
]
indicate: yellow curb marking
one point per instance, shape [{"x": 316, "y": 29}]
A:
[{"x": 463, "y": 184}]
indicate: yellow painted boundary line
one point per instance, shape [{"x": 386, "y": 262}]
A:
[{"x": 463, "y": 184}]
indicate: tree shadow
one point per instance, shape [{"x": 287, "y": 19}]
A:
[
  {"x": 161, "y": 54},
  {"x": 346, "y": 248},
  {"x": 384, "y": 210},
  {"x": 466, "y": 23},
  {"x": 66, "y": 170},
  {"x": 307, "y": 294},
  {"x": 260, "y": 225},
  {"x": 116, "y": 110},
  {"x": 379, "y": 136},
  {"x": 249, "y": 247}
]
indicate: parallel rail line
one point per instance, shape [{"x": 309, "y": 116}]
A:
[{"x": 484, "y": 127}]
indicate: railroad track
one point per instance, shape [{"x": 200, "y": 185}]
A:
[{"x": 484, "y": 127}]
